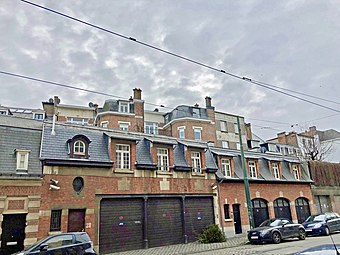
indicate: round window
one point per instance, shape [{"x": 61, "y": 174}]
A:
[{"x": 78, "y": 184}]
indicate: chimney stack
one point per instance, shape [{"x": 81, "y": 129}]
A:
[
  {"x": 208, "y": 102},
  {"x": 137, "y": 93}
]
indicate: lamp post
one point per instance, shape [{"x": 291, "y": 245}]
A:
[{"x": 245, "y": 178}]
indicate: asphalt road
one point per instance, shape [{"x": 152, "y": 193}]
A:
[{"x": 286, "y": 247}]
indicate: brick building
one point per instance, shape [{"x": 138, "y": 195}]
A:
[
  {"x": 20, "y": 182},
  {"x": 148, "y": 180},
  {"x": 279, "y": 187}
]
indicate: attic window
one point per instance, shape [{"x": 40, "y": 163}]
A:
[
  {"x": 196, "y": 112},
  {"x": 79, "y": 146}
]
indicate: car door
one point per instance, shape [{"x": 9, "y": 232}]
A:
[
  {"x": 337, "y": 221},
  {"x": 331, "y": 222},
  {"x": 289, "y": 228}
]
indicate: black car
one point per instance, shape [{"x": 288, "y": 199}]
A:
[
  {"x": 275, "y": 230},
  {"x": 68, "y": 243},
  {"x": 322, "y": 224}
]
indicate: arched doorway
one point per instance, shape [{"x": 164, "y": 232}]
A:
[
  {"x": 302, "y": 209},
  {"x": 282, "y": 208},
  {"x": 260, "y": 211}
]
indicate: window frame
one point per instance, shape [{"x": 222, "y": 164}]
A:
[
  {"x": 121, "y": 161},
  {"x": 252, "y": 169},
  {"x": 197, "y": 130},
  {"x": 296, "y": 171},
  {"x": 276, "y": 170},
  {"x": 123, "y": 126},
  {"x": 181, "y": 130},
  {"x": 104, "y": 124},
  {"x": 79, "y": 153},
  {"x": 163, "y": 159},
  {"x": 196, "y": 163},
  {"x": 38, "y": 114},
  {"x": 226, "y": 163},
  {"x": 151, "y": 126},
  {"x": 224, "y": 126},
  {"x": 226, "y": 208},
  {"x": 236, "y": 128},
  {"x": 227, "y": 143},
  {"x": 19, "y": 155},
  {"x": 55, "y": 219},
  {"x": 196, "y": 112},
  {"x": 124, "y": 107}
]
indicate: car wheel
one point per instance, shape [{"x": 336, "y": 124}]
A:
[
  {"x": 276, "y": 237},
  {"x": 302, "y": 234},
  {"x": 326, "y": 231}
]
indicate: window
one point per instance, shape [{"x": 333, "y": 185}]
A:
[
  {"x": 124, "y": 107},
  {"x": 226, "y": 168},
  {"x": 78, "y": 184},
  {"x": 58, "y": 241},
  {"x": 236, "y": 128},
  {"x": 162, "y": 159},
  {"x": 38, "y": 116},
  {"x": 22, "y": 159},
  {"x": 151, "y": 128},
  {"x": 3, "y": 112},
  {"x": 196, "y": 162},
  {"x": 223, "y": 125},
  {"x": 226, "y": 211},
  {"x": 252, "y": 169},
  {"x": 181, "y": 131},
  {"x": 276, "y": 171},
  {"x": 78, "y": 121},
  {"x": 55, "y": 220},
  {"x": 225, "y": 144},
  {"x": 79, "y": 148},
  {"x": 198, "y": 133},
  {"x": 196, "y": 112},
  {"x": 238, "y": 146},
  {"x": 123, "y": 156},
  {"x": 124, "y": 126},
  {"x": 296, "y": 172},
  {"x": 104, "y": 124}
]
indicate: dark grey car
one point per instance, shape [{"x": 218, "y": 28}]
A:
[
  {"x": 275, "y": 230},
  {"x": 74, "y": 243}
]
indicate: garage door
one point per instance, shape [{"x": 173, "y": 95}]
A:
[
  {"x": 198, "y": 215},
  {"x": 164, "y": 221},
  {"x": 121, "y": 226}
]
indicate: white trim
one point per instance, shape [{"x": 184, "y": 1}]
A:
[
  {"x": 124, "y": 122},
  {"x": 180, "y": 127},
  {"x": 197, "y": 128},
  {"x": 122, "y": 156},
  {"x": 24, "y": 153}
]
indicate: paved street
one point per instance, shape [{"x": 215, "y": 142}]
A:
[{"x": 237, "y": 246}]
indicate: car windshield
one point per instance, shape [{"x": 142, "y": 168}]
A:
[
  {"x": 320, "y": 217},
  {"x": 271, "y": 223}
]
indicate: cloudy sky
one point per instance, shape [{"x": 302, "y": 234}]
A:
[{"x": 290, "y": 44}]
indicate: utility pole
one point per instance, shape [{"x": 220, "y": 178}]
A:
[{"x": 245, "y": 178}]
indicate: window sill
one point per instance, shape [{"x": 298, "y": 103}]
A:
[
  {"x": 123, "y": 171},
  {"x": 163, "y": 172},
  {"x": 228, "y": 220},
  {"x": 54, "y": 233},
  {"x": 198, "y": 174}
]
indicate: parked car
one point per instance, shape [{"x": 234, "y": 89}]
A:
[
  {"x": 322, "y": 224},
  {"x": 275, "y": 230},
  {"x": 68, "y": 243}
]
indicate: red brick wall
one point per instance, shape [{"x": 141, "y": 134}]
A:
[{"x": 235, "y": 194}]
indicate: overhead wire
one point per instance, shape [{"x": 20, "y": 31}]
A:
[{"x": 249, "y": 80}]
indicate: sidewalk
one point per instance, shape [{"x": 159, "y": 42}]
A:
[{"x": 188, "y": 248}]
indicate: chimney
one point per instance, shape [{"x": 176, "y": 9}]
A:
[
  {"x": 208, "y": 102},
  {"x": 137, "y": 93}
]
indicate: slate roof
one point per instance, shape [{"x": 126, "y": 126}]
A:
[
  {"x": 15, "y": 134},
  {"x": 55, "y": 147},
  {"x": 143, "y": 157},
  {"x": 263, "y": 164}
]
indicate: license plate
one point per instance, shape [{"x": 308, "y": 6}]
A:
[
  {"x": 309, "y": 230},
  {"x": 254, "y": 237}
]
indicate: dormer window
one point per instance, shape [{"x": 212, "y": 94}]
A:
[
  {"x": 124, "y": 107},
  {"x": 79, "y": 146},
  {"x": 276, "y": 170},
  {"x": 252, "y": 169},
  {"x": 196, "y": 112},
  {"x": 22, "y": 160},
  {"x": 295, "y": 170}
]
